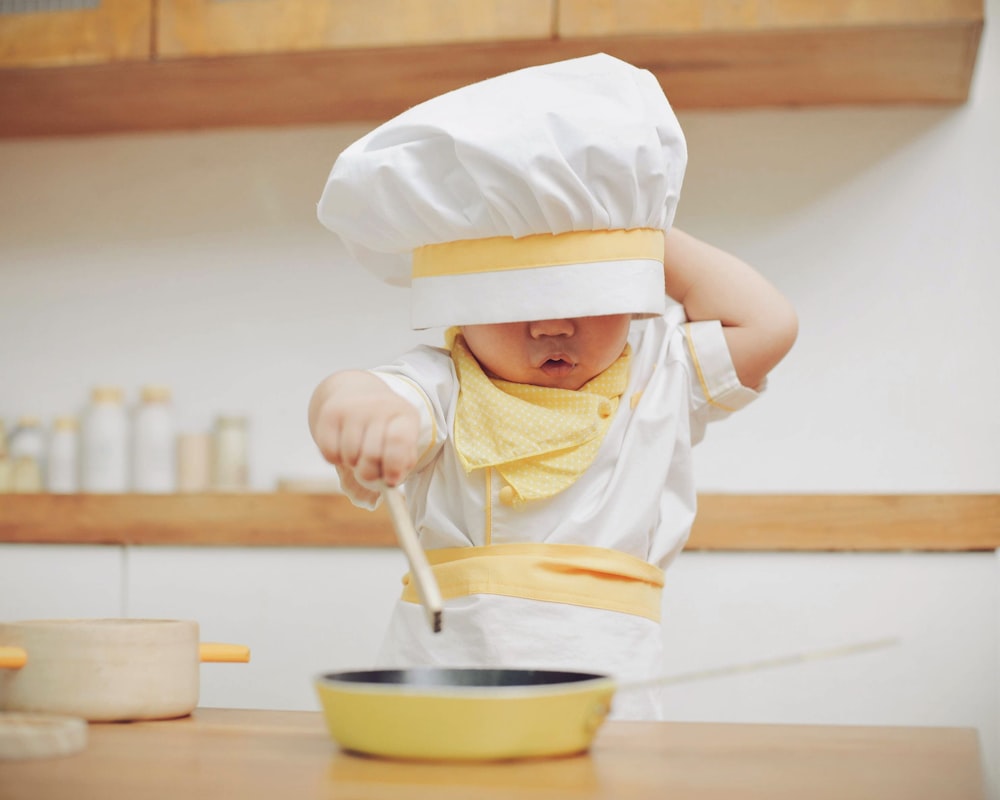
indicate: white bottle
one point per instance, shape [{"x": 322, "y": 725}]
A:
[
  {"x": 154, "y": 443},
  {"x": 62, "y": 474},
  {"x": 104, "y": 443},
  {"x": 27, "y": 444}
]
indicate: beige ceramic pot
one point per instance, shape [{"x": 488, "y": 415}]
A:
[{"x": 105, "y": 670}]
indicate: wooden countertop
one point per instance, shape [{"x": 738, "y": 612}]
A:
[{"x": 221, "y": 753}]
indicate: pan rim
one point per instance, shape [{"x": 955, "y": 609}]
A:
[{"x": 588, "y": 682}]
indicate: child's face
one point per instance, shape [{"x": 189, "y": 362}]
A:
[{"x": 559, "y": 353}]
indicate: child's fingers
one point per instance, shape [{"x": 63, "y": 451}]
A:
[
  {"x": 388, "y": 450},
  {"x": 369, "y": 462},
  {"x": 399, "y": 449},
  {"x": 351, "y": 441},
  {"x": 357, "y": 492},
  {"x": 330, "y": 444}
]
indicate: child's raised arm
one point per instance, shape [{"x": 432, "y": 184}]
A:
[
  {"x": 364, "y": 429},
  {"x": 758, "y": 322}
]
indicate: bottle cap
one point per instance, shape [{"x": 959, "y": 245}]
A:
[
  {"x": 65, "y": 423},
  {"x": 155, "y": 393},
  {"x": 28, "y": 421},
  {"x": 106, "y": 394}
]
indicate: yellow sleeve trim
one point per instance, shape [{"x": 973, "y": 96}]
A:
[
  {"x": 488, "y": 506},
  {"x": 581, "y": 575},
  {"x": 499, "y": 253},
  {"x": 698, "y": 370}
]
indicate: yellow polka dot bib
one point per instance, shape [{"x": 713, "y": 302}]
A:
[{"x": 538, "y": 438}]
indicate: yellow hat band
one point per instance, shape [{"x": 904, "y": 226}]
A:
[{"x": 500, "y": 253}]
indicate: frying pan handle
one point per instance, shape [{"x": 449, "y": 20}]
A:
[
  {"x": 755, "y": 666},
  {"x": 219, "y": 652},
  {"x": 13, "y": 657}
]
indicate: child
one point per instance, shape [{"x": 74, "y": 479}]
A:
[{"x": 546, "y": 451}]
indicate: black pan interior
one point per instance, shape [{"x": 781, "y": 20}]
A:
[{"x": 440, "y": 676}]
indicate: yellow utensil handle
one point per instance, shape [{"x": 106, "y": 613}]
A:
[
  {"x": 217, "y": 652},
  {"x": 13, "y": 657}
]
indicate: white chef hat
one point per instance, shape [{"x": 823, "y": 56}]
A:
[{"x": 539, "y": 194}]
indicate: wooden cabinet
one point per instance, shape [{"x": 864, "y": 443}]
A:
[
  {"x": 580, "y": 18},
  {"x": 200, "y": 28},
  {"x": 739, "y": 53},
  {"x": 225, "y": 63},
  {"x": 77, "y": 34}
]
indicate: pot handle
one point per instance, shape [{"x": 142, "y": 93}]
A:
[
  {"x": 13, "y": 657},
  {"x": 219, "y": 652},
  {"x": 17, "y": 657}
]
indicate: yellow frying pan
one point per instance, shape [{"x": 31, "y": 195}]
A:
[{"x": 490, "y": 714}]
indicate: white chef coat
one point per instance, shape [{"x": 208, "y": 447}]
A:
[{"x": 637, "y": 497}]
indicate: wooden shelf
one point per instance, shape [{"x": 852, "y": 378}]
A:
[
  {"x": 706, "y": 53},
  {"x": 725, "y": 522}
]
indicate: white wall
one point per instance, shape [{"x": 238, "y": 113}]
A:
[{"x": 195, "y": 259}]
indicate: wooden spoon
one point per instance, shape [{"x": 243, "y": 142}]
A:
[{"x": 420, "y": 570}]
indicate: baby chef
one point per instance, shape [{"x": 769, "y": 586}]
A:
[{"x": 545, "y": 449}]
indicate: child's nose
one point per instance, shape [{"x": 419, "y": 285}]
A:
[{"x": 551, "y": 327}]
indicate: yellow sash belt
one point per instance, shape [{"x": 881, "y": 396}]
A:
[{"x": 580, "y": 575}]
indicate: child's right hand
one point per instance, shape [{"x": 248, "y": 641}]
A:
[{"x": 366, "y": 430}]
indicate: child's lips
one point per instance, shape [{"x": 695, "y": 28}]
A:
[{"x": 557, "y": 366}]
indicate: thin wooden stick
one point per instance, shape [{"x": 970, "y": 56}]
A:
[
  {"x": 420, "y": 570},
  {"x": 756, "y": 666}
]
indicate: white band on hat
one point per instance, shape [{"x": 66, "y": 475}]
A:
[
  {"x": 499, "y": 253},
  {"x": 516, "y": 295}
]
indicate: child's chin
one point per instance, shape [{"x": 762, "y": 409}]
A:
[{"x": 559, "y": 371}]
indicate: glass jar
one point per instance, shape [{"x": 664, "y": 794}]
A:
[
  {"x": 230, "y": 455},
  {"x": 194, "y": 462}
]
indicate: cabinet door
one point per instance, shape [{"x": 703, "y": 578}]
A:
[
  {"x": 32, "y": 34},
  {"x": 744, "y": 53},
  {"x": 230, "y": 27}
]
